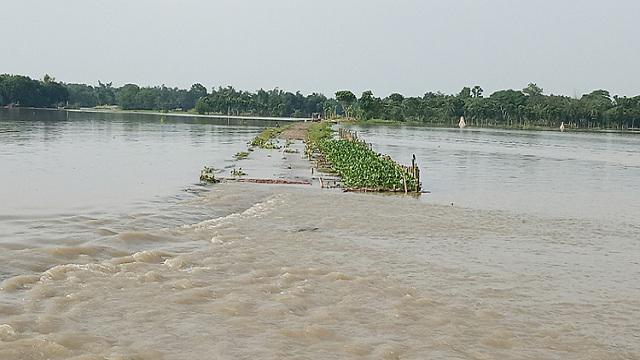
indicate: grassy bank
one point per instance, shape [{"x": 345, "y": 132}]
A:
[
  {"x": 267, "y": 139},
  {"x": 318, "y": 133}
]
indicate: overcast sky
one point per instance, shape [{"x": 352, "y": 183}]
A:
[{"x": 409, "y": 46}]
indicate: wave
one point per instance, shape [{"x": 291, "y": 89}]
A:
[{"x": 257, "y": 210}]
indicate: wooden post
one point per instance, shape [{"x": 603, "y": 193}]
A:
[
  {"x": 413, "y": 164},
  {"x": 404, "y": 181}
]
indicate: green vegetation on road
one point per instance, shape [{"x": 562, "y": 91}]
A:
[
  {"x": 267, "y": 139},
  {"x": 318, "y": 133},
  {"x": 359, "y": 167}
]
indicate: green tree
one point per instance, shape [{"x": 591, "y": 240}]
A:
[
  {"x": 346, "y": 99},
  {"x": 532, "y": 90},
  {"x": 52, "y": 92},
  {"x": 105, "y": 94},
  {"x": 195, "y": 93},
  {"x": 509, "y": 105},
  {"x": 24, "y": 91},
  {"x": 394, "y": 107},
  {"x": 127, "y": 97},
  {"x": 465, "y": 93},
  {"x": 477, "y": 91},
  {"x": 82, "y": 95},
  {"x": 596, "y": 104},
  {"x": 369, "y": 105}
]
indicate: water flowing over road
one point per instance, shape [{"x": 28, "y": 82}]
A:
[{"x": 109, "y": 249}]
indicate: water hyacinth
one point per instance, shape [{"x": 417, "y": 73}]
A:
[{"x": 361, "y": 168}]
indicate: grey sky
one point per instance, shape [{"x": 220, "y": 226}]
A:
[{"x": 408, "y": 46}]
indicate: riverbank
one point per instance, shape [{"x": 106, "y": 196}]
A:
[
  {"x": 185, "y": 114},
  {"x": 375, "y": 122},
  {"x": 371, "y": 122}
]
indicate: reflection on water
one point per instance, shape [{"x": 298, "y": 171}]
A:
[{"x": 103, "y": 255}]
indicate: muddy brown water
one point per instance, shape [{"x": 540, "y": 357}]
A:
[{"x": 237, "y": 271}]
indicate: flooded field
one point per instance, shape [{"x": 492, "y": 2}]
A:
[{"x": 109, "y": 249}]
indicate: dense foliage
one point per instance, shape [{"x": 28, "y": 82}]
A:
[
  {"x": 24, "y": 91},
  {"x": 134, "y": 97},
  {"x": 360, "y": 167},
  {"x": 262, "y": 103},
  {"x": 526, "y": 108},
  {"x": 511, "y": 108}
]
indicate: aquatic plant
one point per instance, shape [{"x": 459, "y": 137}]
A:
[
  {"x": 241, "y": 155},
  {"x": 357, "y": 164},
  {"x": 238, "y": 172},
  {"x": 207, "y": 174},
  {"x": 361, "y": 168}
]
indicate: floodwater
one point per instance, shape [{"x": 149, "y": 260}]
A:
[
  {"x": 593, "y": 175},
  {"x": 109, "y": 249}
]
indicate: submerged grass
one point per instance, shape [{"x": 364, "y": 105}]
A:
[
  {"x": 318, "y": 133},
  {"x": 241, "y": 155},
  {"x": 267, "y": 139}
]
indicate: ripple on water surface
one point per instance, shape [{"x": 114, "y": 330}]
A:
[{"x": 457, "y": 283}]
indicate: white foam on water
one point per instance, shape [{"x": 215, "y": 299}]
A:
[
  {"x": 256, "y": 210},
  {"x": 6, "y": 332},
  {"x": 62, "y": 272}
]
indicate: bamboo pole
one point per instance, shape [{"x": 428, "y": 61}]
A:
[{"x": 404, "y": 181}]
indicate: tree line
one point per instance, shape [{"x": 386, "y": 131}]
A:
[
  {"x": 528, "y": 107},
  {"x": 17, "y": 90},
  {"x": 274, "y": 102},
  {"x": 24, "y": 91},
  {"x": 134, "y": 97}
]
